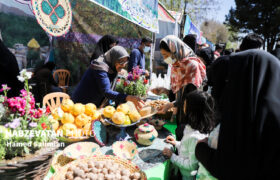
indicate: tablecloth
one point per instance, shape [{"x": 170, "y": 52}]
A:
[{"x": 150, "y": 158}]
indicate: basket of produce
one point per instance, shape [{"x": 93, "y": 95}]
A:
[
  {"x": 126, "y": 116},
  {"x": 100, "y": 167},
  {"x": 73, "y": 122}
]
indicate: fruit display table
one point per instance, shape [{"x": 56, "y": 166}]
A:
[{"x": 149, "y": 158}]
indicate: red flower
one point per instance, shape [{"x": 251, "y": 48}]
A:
[
  {"x": 125, "y": 84},
  {"x": 118, "y": 80},
  {"x": 146, "y": 81},
  {"x": 44, "y": 126},
  {"x": 48, "y": 110}
]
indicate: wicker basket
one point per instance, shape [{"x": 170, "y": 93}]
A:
[
  {"x": 59, "y": 175},
  {"x": 33, "y": 166}
]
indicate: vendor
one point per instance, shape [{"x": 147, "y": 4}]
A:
[
  {"x": 187, "y": 74},
  {"x": 137, "y": 56},
  {"x": 95, "y": 86}
]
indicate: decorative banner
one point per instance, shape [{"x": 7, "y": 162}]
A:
[
  {"x": 54, "y": 16},
  {"x": 195, "y": 30},
  {"x": 187, "y": 25},
  {"x": 141, "y": 12}
]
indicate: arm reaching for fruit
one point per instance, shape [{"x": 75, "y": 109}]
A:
[{"x": 139, "y": 103}]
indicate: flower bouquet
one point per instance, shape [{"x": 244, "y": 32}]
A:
[
  {"x": 134, "y": 83},
  {"x": 26, "y": 138}
]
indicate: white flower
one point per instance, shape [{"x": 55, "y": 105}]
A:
[
  {"x": 21, "y": 79},
  {"x": 28, "y": 75},
  {"x": 22, "y": 72},
  {"x": 24, "y": 75}
]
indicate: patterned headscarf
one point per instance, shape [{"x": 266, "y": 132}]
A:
[
  {"x": 188, "y": 68},
  {"x": 108, "y": 61}
]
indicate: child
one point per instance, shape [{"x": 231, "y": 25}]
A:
[{"x": 199, "y": 112}]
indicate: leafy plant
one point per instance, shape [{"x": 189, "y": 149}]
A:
[
  {"x": 134, "y": 84},
  {"x": 21, "y": 122}
]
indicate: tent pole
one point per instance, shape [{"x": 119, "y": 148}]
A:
[{"x": 152, "y": 55}]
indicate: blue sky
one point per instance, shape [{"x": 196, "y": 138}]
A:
[{"x": 220, "y": 14}]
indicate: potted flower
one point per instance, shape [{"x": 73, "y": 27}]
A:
[
  {"x": 134, "y": 83},
  {"x": 27, "y": 142}
]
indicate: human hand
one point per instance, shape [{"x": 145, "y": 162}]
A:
[
  {"x": 170, "y": 140},
  {"x": 165, "y": 108},
  {"x": 147, "y": 73},
  {"x": 138, "y": 102},
  {"x": 167, "y": 152}
]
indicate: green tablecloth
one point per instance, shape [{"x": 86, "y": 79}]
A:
[{"x": 159, "y": 172}]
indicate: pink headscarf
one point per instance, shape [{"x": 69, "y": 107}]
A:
[{"x": 188, "y": 68}]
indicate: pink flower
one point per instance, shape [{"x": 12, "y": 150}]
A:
[
  {"x": 33, "y": 124},
  {"x": 5, "y": 88}
]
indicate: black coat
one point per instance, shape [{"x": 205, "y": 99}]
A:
[
  {"x": 9, "y": 71},
  {"x": 248, "y": 143}
]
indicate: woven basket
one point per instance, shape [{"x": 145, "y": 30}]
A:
[
  {"x": 33, "y": 167},
  {"x": 59, "y": 175},
  {"x": 125, "y": 149}
]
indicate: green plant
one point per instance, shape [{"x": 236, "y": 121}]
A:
[
  {"x": 23, "y": 127},
  {"x": 134, "y": 84}
]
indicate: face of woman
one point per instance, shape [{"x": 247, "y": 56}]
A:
[
  {"x": 165, "y": 53},
  {"x": 121, "y": 64}
]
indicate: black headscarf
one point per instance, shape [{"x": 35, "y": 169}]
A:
[
  {"x": 107, "y": 61},
  {"x": 103, "y": 45},
  {"x": 248, "y": 143},
  {"x": 190, "y": 40},
  {"x": 9, "y": 71},
  {"x": 207, "y": 54}
]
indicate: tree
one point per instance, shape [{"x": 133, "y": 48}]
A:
[
  {"x": 258, "y": 16},
  {"x": 214, "y": 31},
  {"x": 197, "y": 9}
]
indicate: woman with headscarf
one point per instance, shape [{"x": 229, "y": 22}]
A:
[
  {"x": 187, "y": 74},
  {"x": 97, "y": 82},
  {"x": 9, "y": 71},
  {"x": 247, "y": 92},
  {"x": 103, "y": 45}
]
